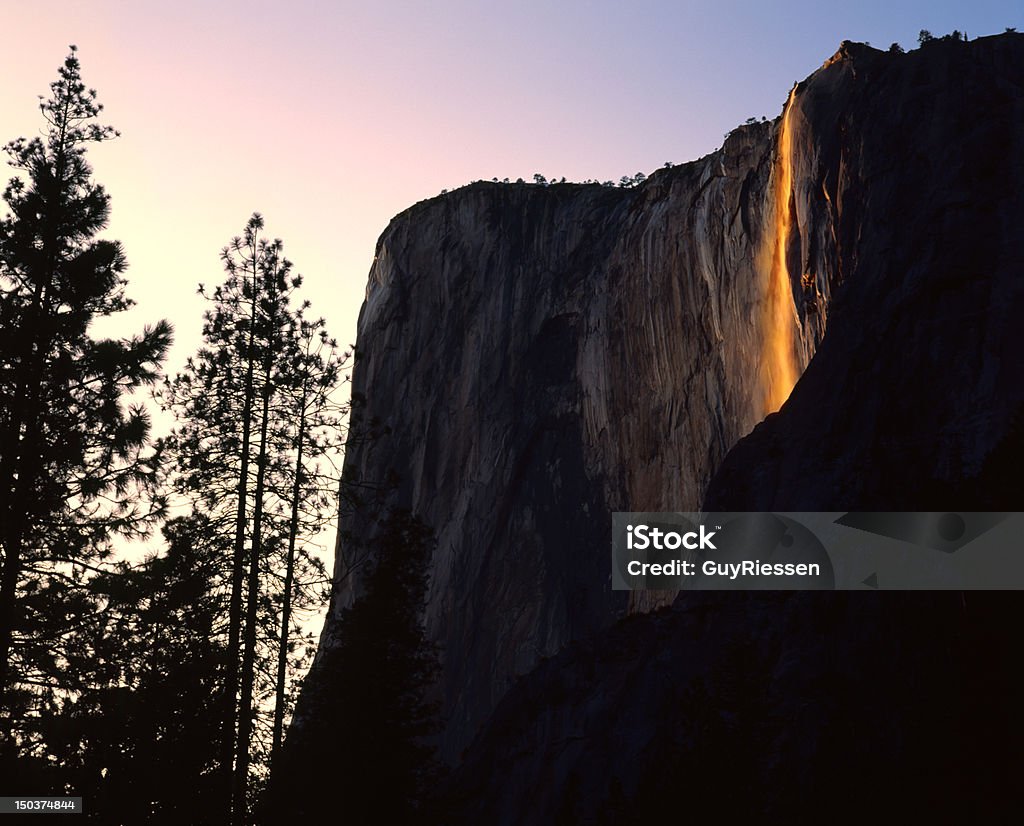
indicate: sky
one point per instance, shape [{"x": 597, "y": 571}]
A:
[{"x": 331, "y": 117}]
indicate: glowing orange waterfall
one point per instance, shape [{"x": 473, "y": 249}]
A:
[{"x": 780, "y": 322}]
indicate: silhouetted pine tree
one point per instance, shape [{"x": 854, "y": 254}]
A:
[
  {"x": 73, "y": 461},
  {"x": 274, "y": 339},
  {"x": 241, "y": 404},
  {"x": 316, "y": 428}
]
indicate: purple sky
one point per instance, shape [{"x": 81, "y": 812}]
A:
[{"x": 330, "y": 117}]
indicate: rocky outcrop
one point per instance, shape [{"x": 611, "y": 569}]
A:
[{"x": 535, "y": 358}]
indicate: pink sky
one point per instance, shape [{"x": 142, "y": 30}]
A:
[{"x": 330, "y": 117}]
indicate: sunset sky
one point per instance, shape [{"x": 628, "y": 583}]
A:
[{"x": 330, "y": 117}]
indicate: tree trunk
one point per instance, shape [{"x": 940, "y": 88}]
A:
[
  {"x": 245, "y": 709},
  {"x": 286, "y": 608},
  {"x": 238, "y": 566}
]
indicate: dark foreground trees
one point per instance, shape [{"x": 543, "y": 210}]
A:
[
  {"x": 160, "y": 689},
  {"x": 137, "y": 739},
  {"x": 257, "y": 424},
  {"x": 74, "y": 466},
  {"x": 364, "y": 751},
  {"x": 156, "y": 689}
]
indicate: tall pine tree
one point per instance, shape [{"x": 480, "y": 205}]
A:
[
  {"x": 256, "y": 419},
  {"x": 74, "y": 461},
  {"x": 316, "y": 427}
]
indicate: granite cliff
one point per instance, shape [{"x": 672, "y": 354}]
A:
[{"x": 532, "y": 359}]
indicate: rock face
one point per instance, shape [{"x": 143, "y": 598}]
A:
[
  {"x": 535, "y": 358},
  {"x": 541, "y": 357}
]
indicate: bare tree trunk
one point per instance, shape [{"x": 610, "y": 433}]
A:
[
  {"x": 286, "y": 608},
  {"x": 245, "y": 709},
  {"x": 230, "y": 688}
]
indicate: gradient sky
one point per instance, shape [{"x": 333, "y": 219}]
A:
[{"x": 330, "y": 117}]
